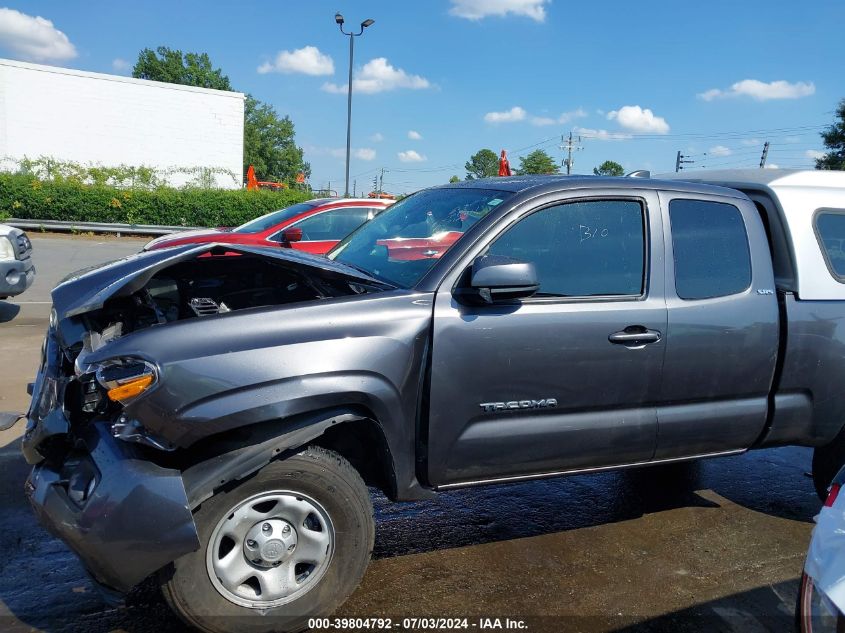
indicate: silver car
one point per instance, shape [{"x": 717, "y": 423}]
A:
[
  {"x": 17, "y": 271},
  {"x": 821, "y": 602}
]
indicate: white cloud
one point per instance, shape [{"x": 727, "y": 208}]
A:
[
  {"x": 364, "y": 153},
  {"x": 307, "y": 60},
  {"x": 639, "y": 120},
  {"x": 478, "y": 9},
  {"x": 601, "y": 135},
  {"x": 378, "y": 137},
  {"x": 762, "y": 91},
  {"x": 772, "y": 166},
  {"x": 120, "y": 65},
  {"x": 361, "y": 153},
  {"x": 33, "y": 37},
  {"x": 751, "y": 141},
  {"x": 414, "y": 135},
  {"x": 377, "y": 75},
  {"x": 709, "y": 95},
  {"x": 508, "y": 116},
  {"x": 562, "y": 119},
  {"x": 814, "y": 154},
  {"x": 411, "y": 156},
  {"x": 719, "y": 150}
]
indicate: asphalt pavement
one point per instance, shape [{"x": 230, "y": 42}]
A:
[{"x": 716, "y": 545}]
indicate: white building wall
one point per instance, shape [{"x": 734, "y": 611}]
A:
[{"x": 109, "y": 120}]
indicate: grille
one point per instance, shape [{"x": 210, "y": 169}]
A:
[{"x": 24, "y": 246}]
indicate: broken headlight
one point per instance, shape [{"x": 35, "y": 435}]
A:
[
  {"x": 123, "y": 380},
  {"x": 126, "y": 378}
]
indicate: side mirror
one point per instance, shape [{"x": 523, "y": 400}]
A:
[
  {"x": 291, "y": 235},
  {"x": 494, "y": 279}
]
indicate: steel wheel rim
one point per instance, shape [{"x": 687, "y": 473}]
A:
[{"x": 270, "y": 549}]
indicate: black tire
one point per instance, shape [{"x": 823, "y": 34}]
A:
[
  {"x": 827, "y": 461},
  {"x": 320, "y": 474}
]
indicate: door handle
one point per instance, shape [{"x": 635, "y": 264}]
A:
[{"x": 634, "y": 336}]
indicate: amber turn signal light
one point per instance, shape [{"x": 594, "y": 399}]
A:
[{"x": 130, "y": 389}]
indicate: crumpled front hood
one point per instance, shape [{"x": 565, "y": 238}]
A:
[{"x": 88, "y": 290}]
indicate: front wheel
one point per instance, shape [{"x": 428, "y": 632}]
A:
[{"x": 287, "y": 545}]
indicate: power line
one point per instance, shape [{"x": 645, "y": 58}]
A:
[{"x": 734, "y": 135}]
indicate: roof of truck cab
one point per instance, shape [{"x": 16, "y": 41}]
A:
[{"x": 542, "y": 183}]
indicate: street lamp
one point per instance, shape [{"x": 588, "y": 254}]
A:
[{"x": 338, "y": 18}]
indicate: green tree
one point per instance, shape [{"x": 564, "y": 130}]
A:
[
  {"x": 269, "y": 143},
  {"x": 483, "y": 164},
  {"x": 537, "y": 162},
  {"x": 175, "y": 67},
  {"x": 454, "y": 179},
  {"x": 834, "y": 141},
  {"x": 609, "y": 168}
]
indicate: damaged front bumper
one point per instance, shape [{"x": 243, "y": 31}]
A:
[{"x": 124, "y": 516}]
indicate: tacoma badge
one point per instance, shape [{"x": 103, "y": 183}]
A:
[{"x": 546, "y": 403}]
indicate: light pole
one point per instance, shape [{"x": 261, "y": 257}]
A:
[{"x": 338, "y": 18}]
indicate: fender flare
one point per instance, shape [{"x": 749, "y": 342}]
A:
[{"x": 265, "y": 442}]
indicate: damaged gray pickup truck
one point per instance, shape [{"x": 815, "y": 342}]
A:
[{"x": 212, "y": 414}]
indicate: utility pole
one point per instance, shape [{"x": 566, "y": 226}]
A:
[
  {"x": 681, "y": 160},
  {"x": 569, "y": 146},
  {"x": 354, "y": 188},
  {"x": 375, "y": 183},
  {"x": 765, "y": 154}
]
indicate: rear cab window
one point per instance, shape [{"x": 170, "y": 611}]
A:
[
  {"x": 710, "y": 249},
  {"x": 829, "y": 225}
]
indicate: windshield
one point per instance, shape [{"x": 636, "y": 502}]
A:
[
  {"x": 401, "y": 244},
  {"x": 274, "y": 218}
]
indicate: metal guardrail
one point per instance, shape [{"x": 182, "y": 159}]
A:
[{"x": 95, "y": 227}]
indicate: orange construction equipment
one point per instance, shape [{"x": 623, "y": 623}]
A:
[{"x": 253, "y": 184}]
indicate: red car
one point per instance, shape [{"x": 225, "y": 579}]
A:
[{"x": 314, "y": 226}]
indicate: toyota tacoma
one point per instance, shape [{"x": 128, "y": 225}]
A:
[{"x": 212, "y": 415}]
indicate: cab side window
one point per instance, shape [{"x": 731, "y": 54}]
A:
[
  {"x": 582, "y": 249},
  {"x": 710, "y": 247}
]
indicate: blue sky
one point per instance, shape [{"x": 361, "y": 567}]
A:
[{"x": 637, "y": 81}]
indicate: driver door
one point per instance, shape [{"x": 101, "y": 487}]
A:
[{"x": 545, "y": 385}]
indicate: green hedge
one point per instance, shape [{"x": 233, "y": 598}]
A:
[{"x": 24, "y": 197}]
